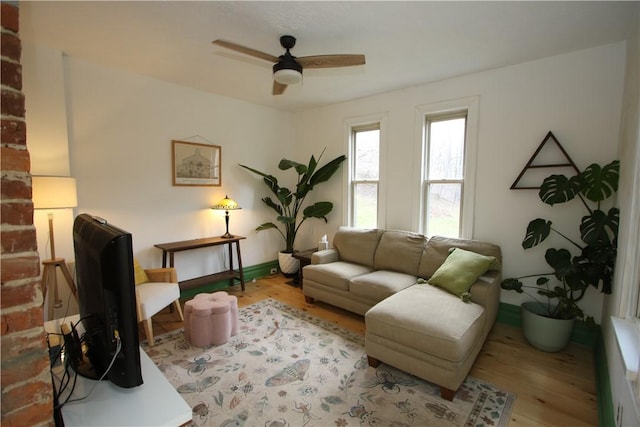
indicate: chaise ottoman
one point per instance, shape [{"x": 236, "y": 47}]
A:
[{"x": 427, "y": 332}]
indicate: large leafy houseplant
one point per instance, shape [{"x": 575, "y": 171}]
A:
[
  {"x": 288, "y": 203},
  {"x": 594, "y": 264}
]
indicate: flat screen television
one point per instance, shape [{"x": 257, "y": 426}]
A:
[{"x": 107, "y": 301}]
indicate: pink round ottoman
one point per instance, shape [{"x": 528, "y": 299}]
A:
[
  {"x": 210, "y": 319},
  {"x": 232, "y": 300}
]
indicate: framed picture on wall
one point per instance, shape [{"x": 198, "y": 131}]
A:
[{"x": 196, "y": 164}]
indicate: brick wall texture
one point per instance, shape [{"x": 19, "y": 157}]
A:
[{"x": 27, "y": 396}]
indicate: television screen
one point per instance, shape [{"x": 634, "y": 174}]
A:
[{"x": 107, "y": 301}]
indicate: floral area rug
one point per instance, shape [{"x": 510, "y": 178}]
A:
[{"x": 285, "y": 368}]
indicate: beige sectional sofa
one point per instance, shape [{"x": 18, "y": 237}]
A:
[{"x": 432, "y": 331}]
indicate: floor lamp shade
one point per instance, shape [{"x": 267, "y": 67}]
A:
[{"x": 54, "y": 192}]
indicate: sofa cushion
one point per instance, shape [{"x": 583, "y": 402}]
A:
[
  {"x": 460, "y": 270},
  {"x": 335, "y": 274},
  {"x": 399, "y": 251},
  {"x": 356, "y": 245},
  {"x": 381, "y": 284},
  {"x": 429, "y": 320},
  {"x": 437, "y": 250}
]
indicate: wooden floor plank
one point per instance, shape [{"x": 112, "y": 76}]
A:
[{"x": 553, "y": 389}]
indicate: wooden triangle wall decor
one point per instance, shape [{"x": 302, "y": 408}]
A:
[{"x": 563, "y": 163}]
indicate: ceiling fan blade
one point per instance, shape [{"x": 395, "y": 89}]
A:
[
  {"x": 278, "y": 88},
  {"x": 246, "y": 50},
  {"x": 330, "y": 61}
]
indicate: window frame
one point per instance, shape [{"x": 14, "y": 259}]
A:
[
  {"x": 426, "y": 182},
  {"x": 364, "y": 123},
  {"x": 451, "y": 108}
]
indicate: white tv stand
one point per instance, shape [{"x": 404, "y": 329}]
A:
[{"x": 154, "y": 403}]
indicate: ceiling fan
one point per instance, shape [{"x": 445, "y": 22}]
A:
[{"x": 287, "y": 69}]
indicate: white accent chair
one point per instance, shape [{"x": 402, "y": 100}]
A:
[{"x": 158, "y": 291}]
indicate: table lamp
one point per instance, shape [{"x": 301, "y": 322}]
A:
[
  {"x": 227, "y": 205},
  {"x": 50, "y": 193}
]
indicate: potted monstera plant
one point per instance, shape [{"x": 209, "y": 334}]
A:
[
  {"x": 288, "y": 203},
  {"x": 548, "y": 320}
]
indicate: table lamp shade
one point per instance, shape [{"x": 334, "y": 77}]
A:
[
  {"x": 54, "y": 192},
  {"x": 227, "y": 204}
]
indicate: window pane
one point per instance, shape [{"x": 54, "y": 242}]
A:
[
  {"x": 443, "y": 210},
  {"x": 446, "y": 148},
  {"x": 367, "y": 155},
  {"x": 365, "y": 205}
]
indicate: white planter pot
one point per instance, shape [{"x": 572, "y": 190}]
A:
[
  {"x": 545, "y": 333},
  {"x": 288, "y": 264}
]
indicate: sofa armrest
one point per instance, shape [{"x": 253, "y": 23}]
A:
[
  {"x": 486, "y": 292},
  {"x": 324, "y": 257},
  {"x": 166, "y": 275}
]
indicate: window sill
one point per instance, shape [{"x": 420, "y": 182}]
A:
[{"x": 628, "y": 336}]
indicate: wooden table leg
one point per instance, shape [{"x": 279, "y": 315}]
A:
[
  {"x": 230, "y": 250},
  {"x": 240, "y": 265}
]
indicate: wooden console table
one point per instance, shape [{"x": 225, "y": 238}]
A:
[{"x": 231, "y": 274}]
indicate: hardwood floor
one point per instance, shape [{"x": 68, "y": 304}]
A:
[{"x": 553, "y": 389}]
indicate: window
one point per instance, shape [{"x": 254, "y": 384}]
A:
[
  {"x": 365, "y": 175},
  {"x": 445, "y": 179},
  {"x": 444, "y": 174}
]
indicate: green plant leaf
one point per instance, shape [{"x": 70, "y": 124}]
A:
[
  {"x": 559, "y": 189},
  {"x": 266, "y": 226},
  {"x": 270, "y": 180},
  {"x": 596, "y": 265},
  {"x": 318, "y": 210},
  {"x": 601, "y": 183},
  {"x": 560, "y": 261},
  {"x": 537, "y": 231},
  {"x": 600, "y": 228},
  {"x": 255, "y": 171},
  {"x": 286, "y": 164},
  {"x": 285, "y": 196},
  {"x": 512, "y": 284},
  {"x": 542, "y": 281},
  {"x": 267, "y": 201},
  {"x": 286, "y": 219},
  {"x": 325, "y": 172}
]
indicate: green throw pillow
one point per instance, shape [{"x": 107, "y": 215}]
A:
[
  {"x": 460, "y": 270},
  {"x": 140, "y": 274}
]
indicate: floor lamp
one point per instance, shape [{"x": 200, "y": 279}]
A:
[{"x": 50, "y": 193}]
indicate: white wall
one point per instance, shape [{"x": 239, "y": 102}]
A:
[
  {"x": 576, "y": 95},
  {"x": 120, "y": 131}
]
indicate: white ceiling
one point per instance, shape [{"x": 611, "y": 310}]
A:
[{"x": 405, "y": 43}]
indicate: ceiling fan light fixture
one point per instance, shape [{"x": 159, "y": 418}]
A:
[
  {"x": 287, "y": 76},
  {"x": 287, "y": 71}
]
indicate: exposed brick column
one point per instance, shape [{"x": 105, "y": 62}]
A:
[{"x": 27, "y": 397}]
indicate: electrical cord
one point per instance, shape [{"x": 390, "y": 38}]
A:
[
  {"x": 113, "y": 359},
  {"x": 74, "y": 353}
]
